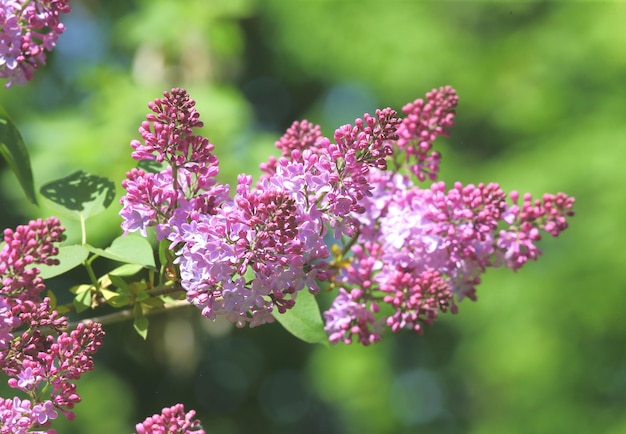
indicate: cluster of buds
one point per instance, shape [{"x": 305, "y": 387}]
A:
[
  {"x": 402, "y": 254},
  {"x": 28, "y": 28}
]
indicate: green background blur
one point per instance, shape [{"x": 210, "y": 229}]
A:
[{"x": 542, "y": 108}]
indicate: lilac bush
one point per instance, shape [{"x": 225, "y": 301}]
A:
[{"x": 349, "y": 213}]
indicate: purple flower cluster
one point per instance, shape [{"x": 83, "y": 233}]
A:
[
  {"x": 28, "y": 28},
  {"x": 417, "y": 248},
  {"x": 41, "y": 360},
  {"x": 172, "y": 420},
  {"x": 187, "y": 184},
  {"x": 407, "y": 252}
]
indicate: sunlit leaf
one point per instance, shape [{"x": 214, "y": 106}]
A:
[
  {"x": 69, "y": 256},
  {"x": 114, "y": 299},
  {"x": 304, "y": 320},
  {"x": 130, "y": 249},
  {"x": 80, "y": 194},
  {"x": 118, "y": 282},
  {"x": 14, "y": 151},
  {"x": 82, "y": 300},
  {"x": 126, "y": 270}
]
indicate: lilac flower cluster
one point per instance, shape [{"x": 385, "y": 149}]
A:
[
  {"x": 172, "y": 420},
  {"x": 407, "y": 252},
  {"x": 40, "y": 358},
  {"x": 417, "y": 248},
  {"x": 28, "y": 28},
  {"x": 187, "y": 184},
  {"x": 274, "y": 231}
]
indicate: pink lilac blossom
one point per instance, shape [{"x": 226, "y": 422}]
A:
[
  {"x": 188, "y": 181},
  {"x": 263, "y": 231},
  {"x": 419, "y": 247},
  {"x": 19, "y": 416},
  {"x": 408, "y": 250},
  {"x": 172, "y": 420},
  {"x": 39, "y": 358},
  {"x": 28, "y": 28},
  {"x": 276, "y": 230},
  {"x": 24, "y": 247},
  {"x": 425, "y": 121}
]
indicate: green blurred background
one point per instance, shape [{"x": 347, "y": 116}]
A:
[{"x": 542, "y": 107}]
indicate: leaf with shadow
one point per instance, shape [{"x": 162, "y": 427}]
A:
[{"x": 81, "y": 194}]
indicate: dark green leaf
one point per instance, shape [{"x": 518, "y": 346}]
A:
[
  {"x": 69, "y": 256},
  {"x": 304, "y": 320},
  {"x": 81, "y": 193},
  {"x": 14, "y": 151}
]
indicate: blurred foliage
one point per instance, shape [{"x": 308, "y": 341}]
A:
[{"x": 542, "y": 108}]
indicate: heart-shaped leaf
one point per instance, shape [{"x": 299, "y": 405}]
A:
[
  {"x": 80, "y": 194},
  {"x": 304, "y": 320},
  {"x": 69, "y": 256},
  {"x": 131, "y": 249}
]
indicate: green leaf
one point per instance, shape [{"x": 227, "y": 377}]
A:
[
  {"x": 80, "y": 194},
  {"x": 114, "y": 299},
  {"x": 82, "y": 301},
  {"x": 126, "y": 270},
  {"x": 118, "y": 282},
  {"x": 164, "y": 252},
  {"x": 304, "y": 320},
  {"x": 69, "y": 256},
  {"x": 154, "y": 302},
  {"x": 141, "y": 322},
  {"x": 14, "y": 151},
  {"x": 132, "y": 249}
]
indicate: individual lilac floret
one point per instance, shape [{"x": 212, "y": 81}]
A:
[
  {"x": 28, "y": 28},
  {"x": 425, "y": 121},
  {"x": 172, "y": 420}
]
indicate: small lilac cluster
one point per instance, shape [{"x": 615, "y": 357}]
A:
[
  {"x": 424, "y": 122},
  {"x": 27, "y": 29},
  {"x": 408, "y": 251},
  {"x": 41, "y": 360},
  {"x": 172, "y": 420},
  {"x": 417, "y": 248},
  {"x": 187, "y": 184}
]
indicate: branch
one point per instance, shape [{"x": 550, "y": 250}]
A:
[{"x": 126, "y": 314}]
